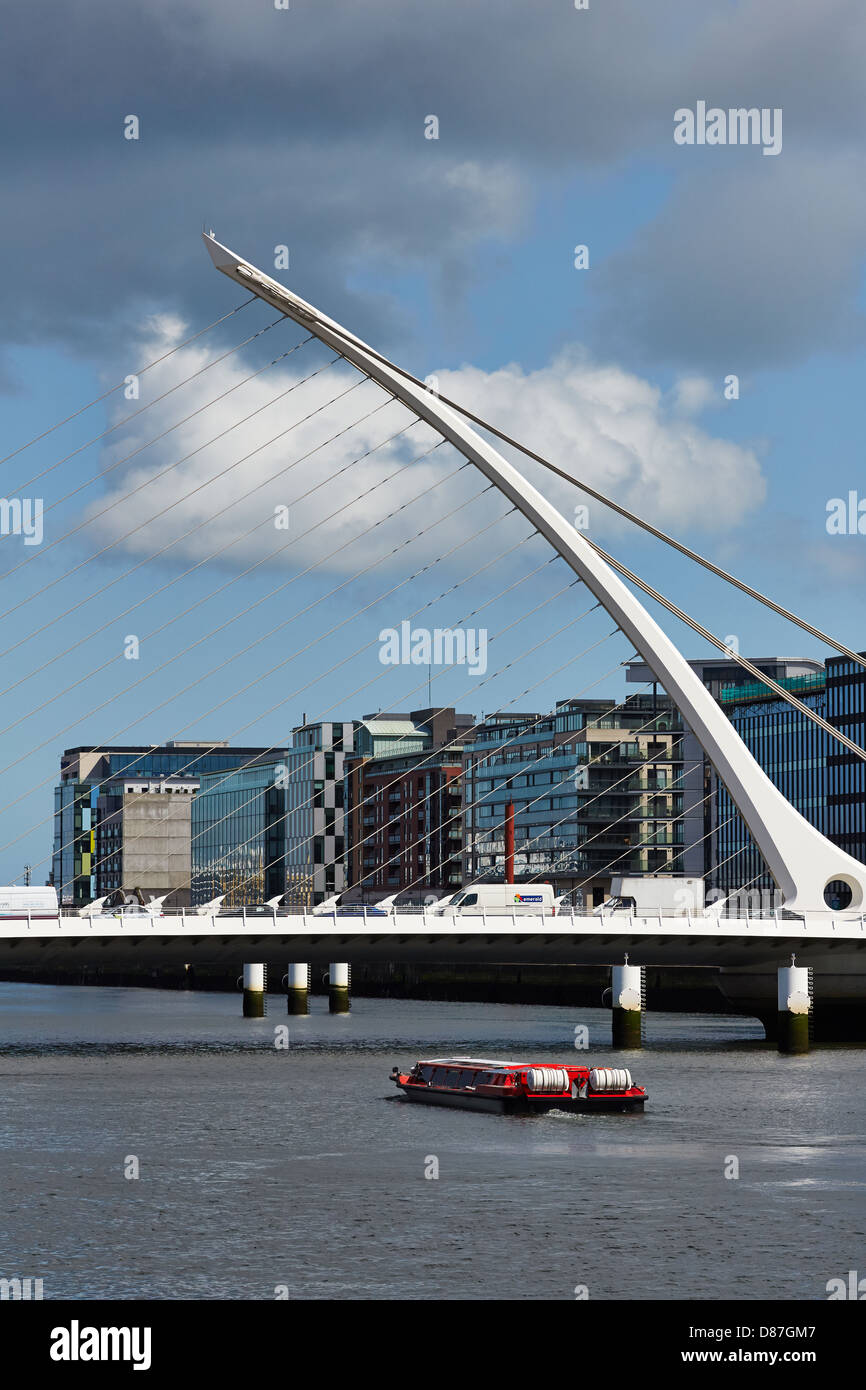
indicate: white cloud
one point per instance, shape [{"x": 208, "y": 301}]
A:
[
  {"x": 608, "y": 426},
  {"x": 615, "y": 430},
  {"x": 693, "y": 394}
]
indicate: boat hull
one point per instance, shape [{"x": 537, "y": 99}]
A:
[{"x": 523, "y": 1105}]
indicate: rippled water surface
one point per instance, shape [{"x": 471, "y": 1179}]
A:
[{"x": 262, "y": 1167}]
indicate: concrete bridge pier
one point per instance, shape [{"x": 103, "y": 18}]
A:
[
  {"x": 794, "y": 1008},
  {"x": 338, "y": 987},
  {"x": 255, "y": 988},
  {"x": 298, "y": 991},
  {"x": 626, "y": 1004}
]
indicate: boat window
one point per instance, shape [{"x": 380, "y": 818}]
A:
[
  {"x": 467, "y": 1078},
  {"x": 483, "y": 1078},
  {"x": 427, "y": 1073},
  {"x": 440, "y": 1077},
  {"x": 454, "y": 1078}
]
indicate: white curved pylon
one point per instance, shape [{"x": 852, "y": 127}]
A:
[{"x": 801, "y": 859}]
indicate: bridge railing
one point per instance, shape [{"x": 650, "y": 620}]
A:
[{"x": 620, "y": 923}]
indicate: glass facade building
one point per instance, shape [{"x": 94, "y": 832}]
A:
[
  {"x": 597, "y": 790},
  {"x": 73, "y": 863},
  {"x": 238, "y": 837},
  {"x": 122, "y": 817},
  {"x": 794, "y": 753},
  {"x": 846, "y": 773}
]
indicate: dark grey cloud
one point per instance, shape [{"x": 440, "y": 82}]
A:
[
  {"x": 121, "y": 238},
  {"x": 305, "y": 127}
]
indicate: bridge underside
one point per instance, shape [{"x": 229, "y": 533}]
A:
[{"x": 226, "y": 941}]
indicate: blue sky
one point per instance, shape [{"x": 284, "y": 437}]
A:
[{"x": 306, "y": 128}]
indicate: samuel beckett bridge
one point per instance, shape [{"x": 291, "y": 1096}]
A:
[{"x": 806, "y": 954}]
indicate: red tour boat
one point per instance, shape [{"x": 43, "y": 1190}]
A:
[{"x": 519, "y": 1087}]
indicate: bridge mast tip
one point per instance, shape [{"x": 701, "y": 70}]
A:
[{"x": 222, "y": 257}]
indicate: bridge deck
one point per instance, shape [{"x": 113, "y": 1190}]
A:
[{"x": 830, "y": 942}]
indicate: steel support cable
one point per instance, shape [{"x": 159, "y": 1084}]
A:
[
  {"x": 606, "y": 501},
  {"x": 428, "y": 566},
  {"x": 97, "y": 477},
  {"x": 287, "y": 660},
  {"x": 697, "y": 627},
  {"x": 549, "y": 791},
  {"x": 156, "y": 400},
  {"x": 110, "y": 392},
  {"x": 716, "y": 906},
  {"x": 437, "y": 752},
  {"x": 243, "y": 574},
  {"x": 694, "y": 845},
  {"x": 667, "y": 820},
  {"x": 727, "y": 859},
  {"x": 628, "y": 815},
  {"x": 572, "y": 813},
  {"x": 721, "y": 826},
  {"x": 576, "y": 813},
  {"x": 353, "y": 617},
  {"x": 220, "y": 553},
  {"x": 170, "y": 468},
  {"x": 359, "y": 650},
  {"x": 256, "y": 603},
  {"x": 433, "y": 755},
  {"x": 279, "y": 588},
  {"x": 674, "y": 857},
  {"x": 221, "y": 665},
  {"x": 781, "y": 693},
  {"x": 533, "y": 878},
  {"x": 647, "y": 844},
  {"x": 373, "y": 681},
  {"x": 526, "y": 765},
  {"x": 214, "y": 516}
]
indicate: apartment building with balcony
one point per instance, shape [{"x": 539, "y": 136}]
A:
[
  {"x": 404, "y": 805},
  {"x": 598, "y": 789}
]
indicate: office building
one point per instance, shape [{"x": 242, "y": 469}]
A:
[
  {"x": 315, "y": 840},
  {"x": 404, "y": 805},
  {"x": 597, "y": 788},
  {"x": 722, "y": 851},
  {"x": 239, "y": 834},
  {"x": 846, "y": 773},
  {"x": 793, "y": 752},
  {"x": 122, "y": 818}
]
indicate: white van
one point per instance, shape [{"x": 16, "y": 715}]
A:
[
  {"x": 499, "y": 900},
  {"x": 18, "y": 901},
  {"x": 646, "y": 896}
]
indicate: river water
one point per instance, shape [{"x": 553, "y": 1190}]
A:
[{"x": 298, "y": 1169}]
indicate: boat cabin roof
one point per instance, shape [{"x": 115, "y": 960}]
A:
[{"x": 482, "y": 1063}]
